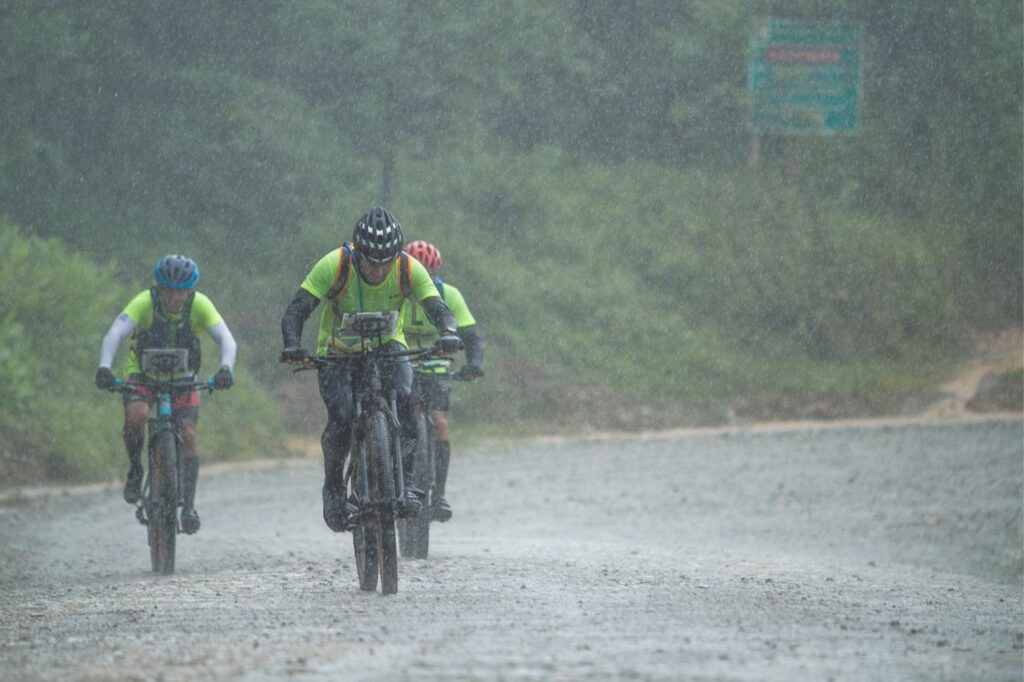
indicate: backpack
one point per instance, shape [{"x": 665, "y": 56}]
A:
[
  {"x": 158, "y": 334},
  {"x": 346, "y": 254}
]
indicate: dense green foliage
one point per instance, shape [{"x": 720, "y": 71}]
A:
[
  {"x": 584, "y": 166},
  {"x": 57, "y": 307},
  {"x": 733, "y": 293}
]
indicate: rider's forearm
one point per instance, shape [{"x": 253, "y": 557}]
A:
[
  {"x": 295, "y": 316},
  {"x": 119, "y": 331},
  {"x": 439, "y": 314},
  {"x": 228, "y": 348},
  {"x": 474, "y": 345}
]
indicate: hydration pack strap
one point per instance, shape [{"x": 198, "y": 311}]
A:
[{"x": 345, "y": 257}]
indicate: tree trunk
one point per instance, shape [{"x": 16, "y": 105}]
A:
[{"x": 389, "y": 173}]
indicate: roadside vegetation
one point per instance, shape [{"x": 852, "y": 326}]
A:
[
  {"x": 584, "y": 168},
  {"x": 54, "y": 424}
]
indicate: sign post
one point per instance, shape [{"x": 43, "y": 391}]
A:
[{"x": 804, "y": 78}]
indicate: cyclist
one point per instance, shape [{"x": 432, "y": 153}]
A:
[
  {"x": 433, "y": 375},
  {"x": 171, "y": 314},
  {"x": 382, "y": 278}
]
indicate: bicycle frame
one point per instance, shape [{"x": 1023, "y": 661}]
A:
[
  {"x": 165, "y": 421},
  {"x": 369, "y": 397},
  {"x": 375, "y": 484},
  {"x": 370, "y": 389},
  {"x": 158, "y": 508},
  {"x": 414, "y": 533},
  {"x": 423, "y": 401}
]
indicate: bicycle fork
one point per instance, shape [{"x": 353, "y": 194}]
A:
[
  {"x": 154, "y": 503},
  {"x": 362, "y": 481},
  {"x": 396, "y": 446}
]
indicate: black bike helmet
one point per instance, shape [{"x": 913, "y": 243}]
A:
[
  {"x": 378, "y": 236},
  {"x": 176, "y": 272}
]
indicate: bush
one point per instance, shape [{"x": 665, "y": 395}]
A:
[
  {"x": 669, "y": 286},
  {"x": 59, "y": 307}
]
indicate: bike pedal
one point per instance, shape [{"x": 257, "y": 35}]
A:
[
  {"x": 354, "y": 519},
  {"x": 408, "y": 510}
]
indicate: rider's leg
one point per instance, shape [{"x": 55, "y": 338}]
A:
[
  {"x": 335, "y": 442},
  {"x": 442, "y": 457},
  {"x": 136, "y": 411},
  {"x": 187, "y": 427},
  {"x": 440, "y": 391},
  {"x": 401, "y": 381},
  {"x": 336, "y": 391}
]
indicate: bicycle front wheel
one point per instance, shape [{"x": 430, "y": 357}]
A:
[
  {"x": 365, "y": 545},
  {"x": 383, "y": 486},
  {"x": 363, "y": 535},
  {"x": 162, "y": 504}
]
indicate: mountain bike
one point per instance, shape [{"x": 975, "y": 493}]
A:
[
  {"x": 162, "y": 487},
  {"x": 374, "y": 476},
  {"x": 414, "y": 532}
]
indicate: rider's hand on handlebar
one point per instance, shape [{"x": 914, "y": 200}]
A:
[
  {"x": 450, "y": 342},
  {"x": 223, "y": 378},
  {"x": 470, "y": 372},
  {"x": 105, "y": 378},
  {"x": 294, "y": 355}
]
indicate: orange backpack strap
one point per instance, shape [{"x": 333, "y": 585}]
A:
[
  {"x": 405, "y": 274},
  {"x": 345, "y": 256}
]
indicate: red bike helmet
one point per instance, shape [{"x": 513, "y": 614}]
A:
[{"x": 426, "y": 253}]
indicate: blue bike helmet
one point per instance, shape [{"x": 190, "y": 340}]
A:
[{"x": 176, "y": 272}]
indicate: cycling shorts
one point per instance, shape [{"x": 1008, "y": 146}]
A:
[{"x": 184, "y": 405}]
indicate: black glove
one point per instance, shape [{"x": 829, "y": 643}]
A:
[
  {"x": 223, "y": 378},
  {"x": 105, "y": 378},
  {"x": 470, "y": 372},
  {"x": 294, "y": 354},
  {"x": 450, "y": 343}
]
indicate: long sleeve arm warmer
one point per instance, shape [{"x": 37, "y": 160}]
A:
[
  {"x": 474, "y": 345},
  {"x": 295, "y": 316},
  {"x": 228, "y": 348},
  {"x": 439, "y": 315},
  {"x": 119, "y": 331}
]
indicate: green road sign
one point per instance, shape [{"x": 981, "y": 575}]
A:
[{"x": 805, "y": 77}]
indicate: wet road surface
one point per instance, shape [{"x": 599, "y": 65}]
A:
[{"x": 880, "y": 553}]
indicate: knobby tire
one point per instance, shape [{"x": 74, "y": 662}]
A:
[
  {"x": 363, "y": 536},
  {"x": 383, "y": 484},
  {"x": 163, "y": 503}
]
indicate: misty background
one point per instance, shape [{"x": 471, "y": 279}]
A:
[{"x": 587, "y": 169}]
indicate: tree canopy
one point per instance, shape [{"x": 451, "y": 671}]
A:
[{"x": 567, "y": 142}]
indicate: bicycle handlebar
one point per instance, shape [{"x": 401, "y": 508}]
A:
[
  {"x": 176, "y": 387},
  {"x": 318, "y": 361}
]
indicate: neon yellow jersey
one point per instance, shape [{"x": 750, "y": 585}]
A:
[
  {"x": 416, "y": 325},
  {"x": 361, "y": 297},
  {"x": 203, "y": 316}
]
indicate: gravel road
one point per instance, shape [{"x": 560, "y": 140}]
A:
[{"x": 889, "y": 553}]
